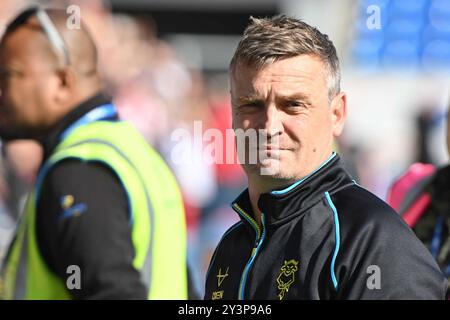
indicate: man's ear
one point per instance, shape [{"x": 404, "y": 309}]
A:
[
  {"x": 66, "y": 84},
  {"x": 338, "y": 113}
]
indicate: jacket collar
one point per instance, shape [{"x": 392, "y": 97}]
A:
[
  {"x": 282, "y": 205},
  {"x": 51, "y": 141}
]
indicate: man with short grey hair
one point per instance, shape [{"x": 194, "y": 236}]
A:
[{"x": 307, "y": 230}]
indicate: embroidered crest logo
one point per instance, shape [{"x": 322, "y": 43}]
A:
[
  {"x": 287, "y": 277},
  {"x": 70, "y": 209}
]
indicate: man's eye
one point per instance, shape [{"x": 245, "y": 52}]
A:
[
  {"x": 251, "y": 105},
  {"x": 295, "y": 104},
  {"x": 8, "y": 73}
]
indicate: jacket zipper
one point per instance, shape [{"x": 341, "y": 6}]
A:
[{"x": 260, "y": 236}]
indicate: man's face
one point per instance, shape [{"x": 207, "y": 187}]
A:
[
  {"x": 27, "y": 81},
  {"x": 288, "y": 101}
]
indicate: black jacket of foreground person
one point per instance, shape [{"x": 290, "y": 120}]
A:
[{"x": 324, "y": 237}]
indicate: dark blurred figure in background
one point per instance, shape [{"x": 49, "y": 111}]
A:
[
  {"x": 422, "y": 197},
  {"x": 96, "y": 206}
]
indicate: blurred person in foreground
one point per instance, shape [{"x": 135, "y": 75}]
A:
[
  {"x": 105, "y": 219},
  {"x": 422, "y": 197},
  {"x": 307, "y": 230}
]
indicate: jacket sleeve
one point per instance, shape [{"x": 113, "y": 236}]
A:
[
  {"x": 83, "y": 220},
  {"x": 381, "y": 258}
]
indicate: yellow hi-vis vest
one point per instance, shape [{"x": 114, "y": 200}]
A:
[{"x": 155, "y": 203}]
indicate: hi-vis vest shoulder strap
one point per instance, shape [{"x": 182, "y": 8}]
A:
[{"x": 156, "y": 216}]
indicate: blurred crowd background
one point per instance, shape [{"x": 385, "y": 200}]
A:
[{"x": 165, "y": 62}]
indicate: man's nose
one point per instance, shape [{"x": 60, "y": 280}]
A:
[{"x": 272, "y": 123}]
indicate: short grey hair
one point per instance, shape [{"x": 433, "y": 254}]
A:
[{"x": 267, "y": 40}]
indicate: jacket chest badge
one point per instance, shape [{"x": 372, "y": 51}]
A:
[
  {"x": 217, "y": 295},
  {"x": 221, "y": 277},
  {"x": 286, "y": 277}
]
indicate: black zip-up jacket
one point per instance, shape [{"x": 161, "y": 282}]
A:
[{"x": 324, "y": 237}]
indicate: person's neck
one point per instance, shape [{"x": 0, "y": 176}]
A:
[
  {"x": 74, "y": 103},
  {"x": 87, "y": 91},
  {"x": 258, "y": 185},
  {"x": 254, "y": 197}
]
